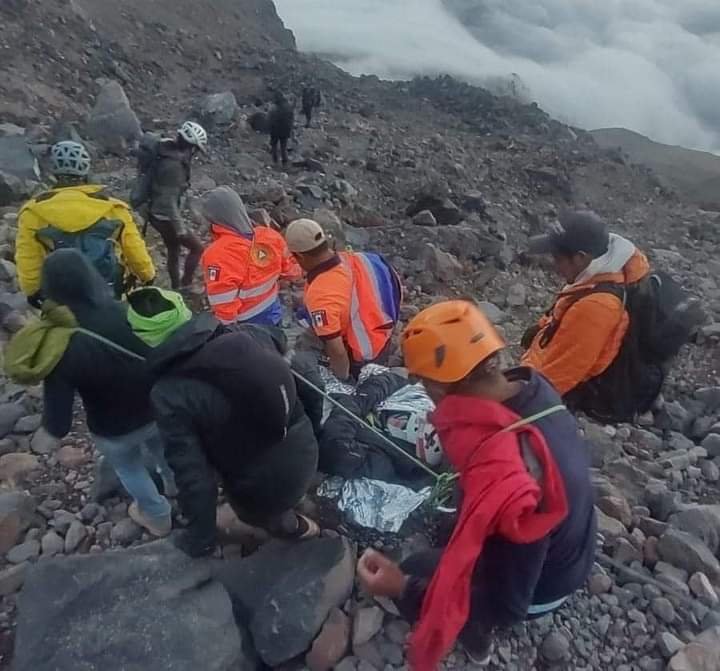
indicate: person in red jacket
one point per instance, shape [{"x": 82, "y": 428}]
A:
[
  {"x": 244, "y": 264},
  {"x": 524, "y": 539}
]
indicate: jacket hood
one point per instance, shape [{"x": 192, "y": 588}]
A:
[
  {"x": 623, "y": 263},
  {"x": 183, "y": 343},
  {"x": 53, "y": 206},
  {"x": 155, "y": 314},
  {"x": 35, "y": 350},
  {"x": 69, "y": 279},
  {"x": 223, "y": 207}
]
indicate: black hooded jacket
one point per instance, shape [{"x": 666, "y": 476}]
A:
[
  {"x": 114, "y": 387},
  {"x": 226, "y": 403}
]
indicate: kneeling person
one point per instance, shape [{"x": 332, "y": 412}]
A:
[
  {"x": 226, "y": 404},
  {"x": 525, "y": 535},
  {"x": 353, "y": 299}
]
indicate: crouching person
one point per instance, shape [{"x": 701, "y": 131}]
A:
[
  {"x": 227, "y": 407},
  {"x": 524, "y": 540},
  {"x": 83, "y": 343}
]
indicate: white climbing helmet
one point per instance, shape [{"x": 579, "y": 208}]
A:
[
  {"x": 70, "y": 158},
  {"x": 428, "y": 447},
  {"x": 194, "y": 134}
]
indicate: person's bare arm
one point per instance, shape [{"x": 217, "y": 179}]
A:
[{"x": 339, "y": 359}]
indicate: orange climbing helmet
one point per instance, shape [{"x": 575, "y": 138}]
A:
[{"x": 448, "y": 340}]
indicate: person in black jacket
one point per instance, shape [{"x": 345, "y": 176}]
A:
[
  {"x": 281, "y": 122},
  {"x": 311, "y": 100},
  {"x": 105, "y": 366},
  {"x": 227, "y": 404}
]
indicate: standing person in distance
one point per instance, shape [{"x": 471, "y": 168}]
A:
[
  {"x": 281, "y": 123},
  {"x": 163, "y": 180}
]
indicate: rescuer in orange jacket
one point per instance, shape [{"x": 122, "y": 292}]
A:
[
  {"x": 243, "y": 265},
  {"x": 582, "y": 334},
  {"x": 353, "y": 299}
]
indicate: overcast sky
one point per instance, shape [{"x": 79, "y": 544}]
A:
[{"x": 649, "y": 65}]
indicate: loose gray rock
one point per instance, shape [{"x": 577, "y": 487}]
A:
[
  {"x": 12, "y": 578},
  {"x": 75, "y": 535},
  {"x": 555, "y": 647},
  {"x": 28, "y": 424},
  {"x": 17, "y": 511},
  {"x": 517, "y": 295},
  {"x": 112, "y": 124},
  {"x": 702, "y": 654},
  {"x": 52, "y": 544},
  {"x": 125, "y": 532},
  {"x": 24, "y": 552},
  {"x": 662, "y": 608},
  {"x": 148, "y": 608},
  {"x": 668, "y": 644},
  {"x": 712, "y": 444},
  {"x": 218, "y": 109},
  {"x": 702, "y": 521},
  {"x": 701, "y": 587},
  {"x": 425, "y": 218},
  {"x": 689, "y": 553},
  {"x": 19, "y": 170},
  {"x": 367, "y": 623},
  {"x": 10, "y": 413},
  {"x": 444, "y": 266},
  {"x": 284, "y": 592}
]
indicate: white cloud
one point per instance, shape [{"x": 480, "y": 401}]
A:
[{"x": 649, "y": 65}]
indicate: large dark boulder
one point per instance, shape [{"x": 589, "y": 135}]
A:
[
  {"x": 285, "y": 592},
  {"x": 148, "y": 608}
]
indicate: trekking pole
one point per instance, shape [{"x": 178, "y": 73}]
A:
[{"x": 368, "y": 426}]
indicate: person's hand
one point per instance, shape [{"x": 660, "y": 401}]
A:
[{"x": 380, "y": 576}]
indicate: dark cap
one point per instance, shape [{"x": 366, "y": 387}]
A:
[{"x": 577, "y": 231}]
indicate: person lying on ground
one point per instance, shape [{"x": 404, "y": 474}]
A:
[
  {"x": 524, "y": 539},
  {"x": 164, "y": 174},
  {"x": 79, "y": 215},
  {"x": 352, "y": 299},
  {"x": 228, "y": 408},
  {"x": 243, "y": 265},
  {"x": 83, "y": 343}
]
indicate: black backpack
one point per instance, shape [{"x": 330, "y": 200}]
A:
[
  {"x": 147, "y": 154},
  {"x": 663, "y": 318}
]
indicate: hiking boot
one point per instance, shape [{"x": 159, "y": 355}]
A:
[
  {"x": 157, "y": 528},
  {"x": 478, "y": 649}
]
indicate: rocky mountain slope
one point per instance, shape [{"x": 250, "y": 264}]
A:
[
  {"x": 447, "y": 180},
  {"x": 695, "y": 174}
]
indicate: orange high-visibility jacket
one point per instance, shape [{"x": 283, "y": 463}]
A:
[
  {"x": 355, "y": 297},
  {"x": 242, "y": 274},
  {"x": 590, "y": 332}
]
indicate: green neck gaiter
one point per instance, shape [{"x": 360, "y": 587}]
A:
[{"x": 155, "y": 314}]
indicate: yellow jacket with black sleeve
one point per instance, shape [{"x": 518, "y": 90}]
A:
[{"x": 73, "y": 209}]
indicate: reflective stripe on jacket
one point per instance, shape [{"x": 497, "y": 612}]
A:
[
  {"x": 242, "y": 275},
  {"x": 356, "y": 297}
]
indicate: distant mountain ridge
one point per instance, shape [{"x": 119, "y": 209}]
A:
[{"x": 695, "y": 175}]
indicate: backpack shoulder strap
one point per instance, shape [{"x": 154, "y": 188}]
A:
[{"x": 617, "y": 290}]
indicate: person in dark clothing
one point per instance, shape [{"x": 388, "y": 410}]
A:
[
  {"x": 227, "y": 404},
  {"x": 163, "y": 181},
  {"x": 281, "y": 122},
  {"x": 311, "y": 100},
  {"x": 525, "y": 536},
  {"x": 103, "y": 361}
]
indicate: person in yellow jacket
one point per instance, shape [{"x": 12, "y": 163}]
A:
[{"x": 78, "y": 215}]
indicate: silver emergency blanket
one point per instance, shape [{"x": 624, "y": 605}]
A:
[{"x": 374, "y": 504}]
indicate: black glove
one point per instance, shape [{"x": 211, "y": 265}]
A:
[{"x": 192, "y": 545}]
